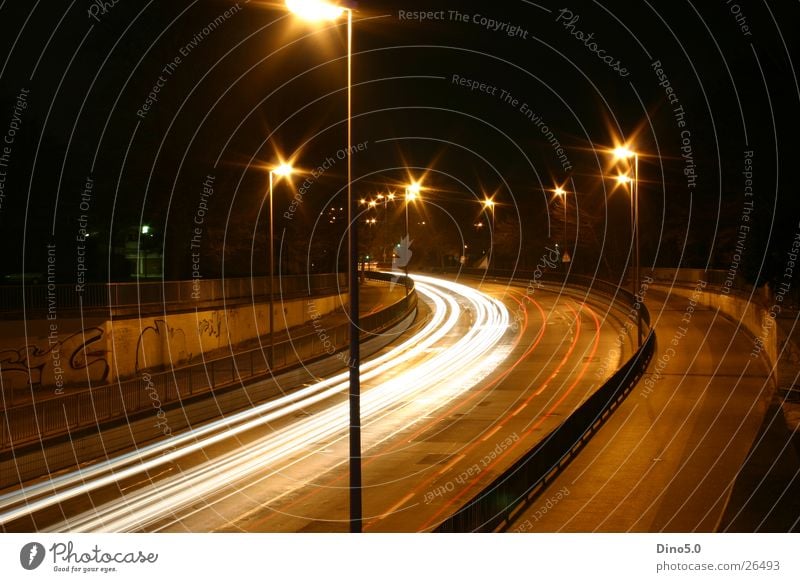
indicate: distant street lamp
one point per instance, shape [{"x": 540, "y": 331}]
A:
[
  {"x": 412, "y": 193},
  {"x": 380, "y": 200},
  {"x": 143, "y": 253},
  {"x": 317, "y": 11},
  {"x": 488, "y": 206},
  {"x": 561, "y": 193},
  {"x": 386, "y": 237},
  {"x": 625, "y": 153},
  {"x": 282, "y": 171}
]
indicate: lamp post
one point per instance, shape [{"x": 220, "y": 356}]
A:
[
  {"x": 412, "y": 193},
  {"x": 315, "y": 11},
  {"x": 282, "y": 171},
  {"x": 386, "y": 236},
  {"x": 368, "y": 259},
  {"x": 561, "y": 193},
  {"x": 624, "y": 153},
  {"x": 488, "y": 206}
]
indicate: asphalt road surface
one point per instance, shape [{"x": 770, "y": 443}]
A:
[{"x": 448, "y": 406}]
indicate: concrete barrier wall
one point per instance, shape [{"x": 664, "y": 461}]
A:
[
  {"x": 52, "y": 354},
  {"x": 754, "y": 316}
]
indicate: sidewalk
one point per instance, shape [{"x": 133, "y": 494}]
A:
[{"x": 668, "y": 458}]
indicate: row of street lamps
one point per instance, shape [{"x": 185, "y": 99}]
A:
[
  {"x": 413, "y": 193},
  {"x": 319, "y": 11},
  {"x": 621, "y": 153}
]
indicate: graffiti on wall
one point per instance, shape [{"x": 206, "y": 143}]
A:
[
  {"x": 160, "y": 344},
  {"x": 79, "y": 358},
  {"x": 211, "y": 326}
]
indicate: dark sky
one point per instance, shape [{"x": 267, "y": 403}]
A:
[{"x": 470, "y": 99}]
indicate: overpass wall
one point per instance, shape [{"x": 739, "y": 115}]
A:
[
  {"x": 51, "y": 354},
  {"x": 754, "y": 313}
]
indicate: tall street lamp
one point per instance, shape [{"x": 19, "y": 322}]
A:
[
  {"x": 316, "y": 11},
  {"x": 488, "y": 206},
  {"x": 385, "y": 240},
  {"x": 282, "y": 171},
  {"x": 412, "y": 193},
  {"x": 561, "y": 193},
  {"x": 624, "y": 153}
]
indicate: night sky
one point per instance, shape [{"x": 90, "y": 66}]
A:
[{"x": 169, "y": 114}]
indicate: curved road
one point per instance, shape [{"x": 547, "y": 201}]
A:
[
  {"x": 445, "y": 409},
  {"x": 668, "y": 458}
]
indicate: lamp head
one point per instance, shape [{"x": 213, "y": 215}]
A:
[
  {"x": 315, "y": 10},
  {"x": 623, "y": 153},
  {"x": 283, "y": 170},
  {"x": 623, "y": 179}
]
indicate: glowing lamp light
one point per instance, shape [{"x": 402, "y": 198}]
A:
[
  {"x": 314, "y": 10},
  {"x": 283, "y": 170},
  {"x": 623, "y": 179},
  {"x": 623, "y": 153}
]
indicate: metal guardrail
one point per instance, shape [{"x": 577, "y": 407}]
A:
[
  {"x": 58, "y": 415},
  {"x": 716, "y": 278},
  {"x": 727, "y": 283},
  {"x": 505, "y": 497},
  {"x": 535, "y": 279},
  {"x": 117, "y": 295}
]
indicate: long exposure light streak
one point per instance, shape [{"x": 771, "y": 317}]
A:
[{"x": 437, "y": 378}]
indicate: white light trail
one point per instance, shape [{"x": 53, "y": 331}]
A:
[{"x": 437, "y": 379}]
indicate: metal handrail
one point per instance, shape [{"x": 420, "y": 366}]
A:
[
  {"x": 119, "y": 295},
  {"x": 497, "y": 503}
]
